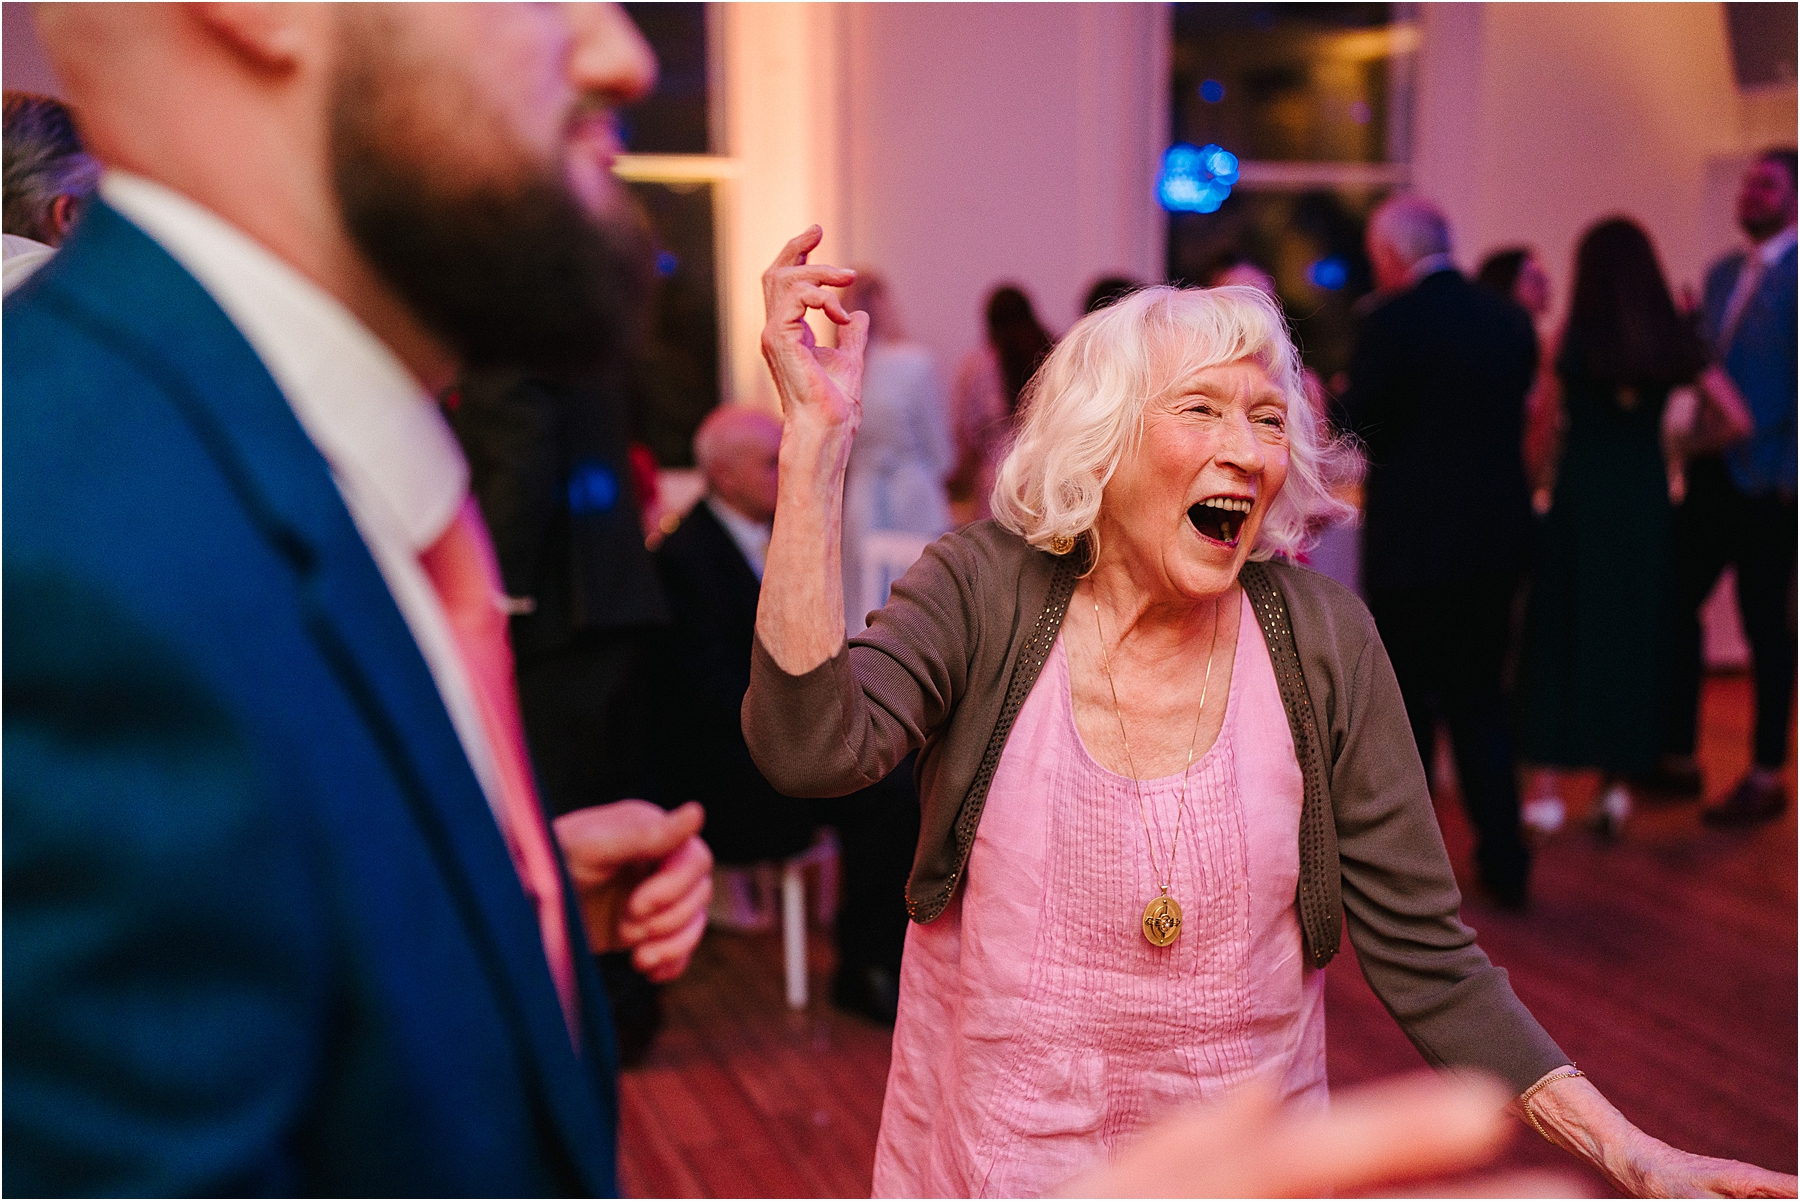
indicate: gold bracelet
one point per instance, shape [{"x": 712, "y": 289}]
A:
[{"x": 1563, "y": 1073}]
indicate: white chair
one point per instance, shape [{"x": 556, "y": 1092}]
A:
[
  {"x": 886, "y": 554},
  {"x": 744, "y": 901},
  {"x": 822, "y": 856}
]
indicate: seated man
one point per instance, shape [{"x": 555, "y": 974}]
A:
[{"x": 711, "y": 570}]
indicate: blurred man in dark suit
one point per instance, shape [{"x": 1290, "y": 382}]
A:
[
  {"x": 1437, "y": 393},
  {"x": 284, "y": 913},
  {"x": 549, "y": 463},
  {"x": 712, "y": 570}
]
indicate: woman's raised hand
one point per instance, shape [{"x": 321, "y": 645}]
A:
[
  {"x": 800, "y": 618},
  {"x": 821, "y": 384}
]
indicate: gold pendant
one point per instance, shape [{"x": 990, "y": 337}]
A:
[{"x": 1162, "y": 921}]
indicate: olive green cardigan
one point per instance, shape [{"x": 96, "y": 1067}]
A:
[{"x": 946, "y": 666}]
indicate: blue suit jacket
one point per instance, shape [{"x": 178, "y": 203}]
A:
[
  {"x": 1761, "y": 362},
  {"x": 261, "y": 932}
]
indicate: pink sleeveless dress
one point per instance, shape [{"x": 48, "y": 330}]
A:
[{"x": 1038, "y": 1029}]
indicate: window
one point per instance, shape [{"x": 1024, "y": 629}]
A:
[
  {"x": 1314, "y": 100},
  {"x": 670, "y": 170}
]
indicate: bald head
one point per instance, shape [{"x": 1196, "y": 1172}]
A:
[
  {"x": 1403, "y": 232},
  {"x": 736, "y": 450},
  {"x": 405, "y": 157}
]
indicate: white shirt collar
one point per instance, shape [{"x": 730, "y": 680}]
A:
[
  {"x": 392, "y": 455},
  {"x": 384, "y": 438},
  {"x": 1770, "y": 252},
  {"x": 752, "y": 537},
  {"x": 23, "y": 256}
]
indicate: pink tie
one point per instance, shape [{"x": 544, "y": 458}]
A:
[
  {"x": 462, "y": 567},
  {"x": 1749, "y": 276}
]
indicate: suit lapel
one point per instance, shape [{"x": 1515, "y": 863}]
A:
[
  {"x": 746, "y": 588},
  {"x": 112, "y": 276}
]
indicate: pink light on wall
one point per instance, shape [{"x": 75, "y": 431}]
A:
[{"x": 23, "y": 65}]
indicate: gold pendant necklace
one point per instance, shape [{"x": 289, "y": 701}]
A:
[{"x": 1162, "y": 916}]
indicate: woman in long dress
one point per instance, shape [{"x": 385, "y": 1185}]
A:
[
  {"x": 985, "y": 394},
  {"x": 1594, "y": 670}
]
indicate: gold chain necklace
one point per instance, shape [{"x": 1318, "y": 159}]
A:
[{"x": 1162, "y": 916}]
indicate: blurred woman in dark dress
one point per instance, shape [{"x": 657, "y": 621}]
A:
[
  {"x": 1594, "y": 664},
  {"x": 984, "y": 397}
]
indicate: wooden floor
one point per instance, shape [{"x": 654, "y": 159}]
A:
[{"x": 1663, "y": 964}]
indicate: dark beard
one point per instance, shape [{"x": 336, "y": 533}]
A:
[
  {"x": 1760, "y": 230},
  {"x": 508, "y": 273}
]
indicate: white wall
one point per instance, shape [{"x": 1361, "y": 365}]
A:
[
  {"x": 1536, "y": 120},
  {"x": 24, "y": 67},
  {"x": 995, "y": 142},
  {"x": 951, "y": 147},
  {"x": 779, "y": 74}
]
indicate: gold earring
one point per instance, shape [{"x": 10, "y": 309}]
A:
[{"x": 1061, "y": 544}]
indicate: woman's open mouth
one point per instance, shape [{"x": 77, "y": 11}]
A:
[{"x": 1221, "y": 518}]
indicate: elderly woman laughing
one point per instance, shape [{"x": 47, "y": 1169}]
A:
[{"x": 1158, "y": 767}]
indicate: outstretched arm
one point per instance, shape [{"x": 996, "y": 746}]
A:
[
  {"x": 800, "y": 617},
  {"x": 1570, "y": 1112}
]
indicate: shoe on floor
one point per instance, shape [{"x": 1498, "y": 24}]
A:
[
  {"x": 1674, "y": 778},
  {"x": 870, "y": 992},
  {"x": 1543, "y": 816},
  {"x": 1751, "y": 802},
  {"x": 1508, "y": 893},
  {"x": 1609, "y": 815}
]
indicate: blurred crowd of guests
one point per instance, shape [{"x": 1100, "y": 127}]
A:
[
  {"x": 1544, "y": 514},
  {"x": 1599, "y": 478},
  {"x": 1545, "y": 511}
]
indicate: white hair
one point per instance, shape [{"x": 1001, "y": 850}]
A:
[
  {"x": 1083, "y": 412},
  {"x": 1412, "y": 227}
]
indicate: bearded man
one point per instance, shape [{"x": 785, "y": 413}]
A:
[{"x": 283, "y": 911}]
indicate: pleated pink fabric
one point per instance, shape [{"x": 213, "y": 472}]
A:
[{"x": 1038, "y": 1029}]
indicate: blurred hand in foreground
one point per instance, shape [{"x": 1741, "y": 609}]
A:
[
  {"x": 1415, "y": 1128},
  {"x": 644, "y": 879}
]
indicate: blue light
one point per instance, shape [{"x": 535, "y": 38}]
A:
[
  {"x": 666, "y": 264},
  {"x": 593, "y": 488},
  {"x": 1212, "y": 91},
  {"x": 1196, "y": 180},
  {"x": 1330, "y": 273}
]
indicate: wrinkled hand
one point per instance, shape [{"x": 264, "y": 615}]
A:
[
  {"x": 1655, "y": 1169},
  {"x": 1575, "y": 1116},
  {"x": 821, "y": 383},
  {"x": 644, "y": 878},
  {"x": 1408, "y": 1129}
]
